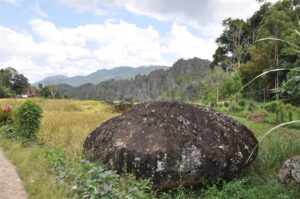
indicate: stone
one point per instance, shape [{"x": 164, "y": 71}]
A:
[
  {"x": 173, "y": 143},
  {"x": 290, "y": 170}
]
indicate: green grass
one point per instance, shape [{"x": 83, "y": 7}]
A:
[{"x": 66, "y": 123}]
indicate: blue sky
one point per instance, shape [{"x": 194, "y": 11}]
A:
[{"x": 42, "y": 38}]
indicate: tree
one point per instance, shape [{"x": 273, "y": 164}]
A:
[
  {"x": 19, "y": 83},
  {"x": 11, "y": 80},
  {"x": 48, "y": 91},
  {"x": 233, "y": 44},
  {"x": 5, "y": 77},
  {"x": 262, "y": 43},
  {"x": 276, "y": 24}
]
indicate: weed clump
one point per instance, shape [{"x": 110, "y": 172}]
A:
[
  {"x": 5, "y": 113},
  {"x": 27, "y": 118}
]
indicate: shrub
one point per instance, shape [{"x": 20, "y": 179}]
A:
[
  {"x": 93, "y": 180},
  {"x": 251, "y": 106},
  {"x": 275, "y": 107},
  {"x": 27, "y": 119},
  {"x": 235, "y": 189},
  {"x": 5, "y": 113},
  {"x": 236, "y": 108},
  {"x": 242, "y": 103},
  {"x": 289, "y": 108}
]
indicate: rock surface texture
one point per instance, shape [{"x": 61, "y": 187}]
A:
[
  {"x": 173, "y": 143},
  {"x": 290, "y": 170}
]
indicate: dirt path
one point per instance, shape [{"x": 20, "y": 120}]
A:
[{"x": 10, "y": 184}]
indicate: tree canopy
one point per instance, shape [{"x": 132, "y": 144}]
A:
[
  {"x": 12, "y": 82},
  {"x": 267, "y": 40}
]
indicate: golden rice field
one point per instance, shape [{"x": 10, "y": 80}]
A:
[{"x": 65, "y": 125}]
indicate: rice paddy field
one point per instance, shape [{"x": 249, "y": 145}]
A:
[{"x": 66, "y": 124}]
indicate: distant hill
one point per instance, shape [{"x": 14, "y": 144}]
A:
[
  {"x": 181, "y": 81},
  {"x": 117, "y": 73},
  {"x": 57, "y": 79}
]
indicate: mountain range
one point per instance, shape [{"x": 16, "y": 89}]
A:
[
  {"x": 181, "y": 81},
  {"x": 118, "y": 73}
]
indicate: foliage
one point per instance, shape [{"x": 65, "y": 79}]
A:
[
  {"x": 236, "y": 189},
  {"x": 5, "y": 92},
  {"x": 11, "y": 80},
  {"x": 292, "y": 86},
  {"x": 274, "y": 43},
  {"x": 27, "y": 119},
  {"x": 232, "y": 85},
  {"x": 275, "y": 107},
  {"x": 93, "y": 180},
  {"x": 236, "y": 108},
  {"x": 48, "y": 92}
]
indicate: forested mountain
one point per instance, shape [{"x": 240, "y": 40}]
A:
[
  {"x": 268, "y": 40},
  {"x": 117, "y": 73},
  {"x": 182, "y": 81}
]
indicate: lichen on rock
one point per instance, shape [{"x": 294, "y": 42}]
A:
[{"x": 173, "y": 143}]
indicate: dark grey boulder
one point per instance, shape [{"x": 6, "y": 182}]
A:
[
  {"x": 173, "y": 143},
  {"x": 290, "y": 170}
]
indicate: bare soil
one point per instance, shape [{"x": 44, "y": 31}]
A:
[{"x": 10, "y": 183}]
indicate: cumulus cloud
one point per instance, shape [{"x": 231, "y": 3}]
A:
[
  {"x": 206, "y": 15},
  {"x": 52, "y": 50},
  {"x": 184, "y": 44}
]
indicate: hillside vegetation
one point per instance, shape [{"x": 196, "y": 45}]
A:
[
  {"x": 181, "y": 81},
  {"x": 117, "y": 73}
]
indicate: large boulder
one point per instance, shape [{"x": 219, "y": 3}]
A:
[
  {"x": 290, "y": 170},
  {"x": 173, "y": 144}
]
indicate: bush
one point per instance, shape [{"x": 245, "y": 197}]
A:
[
  {"x": 27, "y": 119},
  {"x": 93, "y": 180},
  {"x": 235, "y": 189},
  {"x": 275, "y": 107},
  {"x": 289, "y": 108},
  {"x": 242, "y": 103},
  {"x": 5, "y": 113},
  {"x": 236, "y": 108},
  {"x": 251, "y": 106}
]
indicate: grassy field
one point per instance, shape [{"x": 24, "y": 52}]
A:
[{"x": 66, "y": 123}]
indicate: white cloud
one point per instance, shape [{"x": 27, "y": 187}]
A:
[
  {"x": 206, "y": 15},
  {"x": 52, "y": 50},
  {"x": 184, "y": 44}
]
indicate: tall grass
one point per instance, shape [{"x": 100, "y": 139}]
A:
[{"x": 65, "y": 125}]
